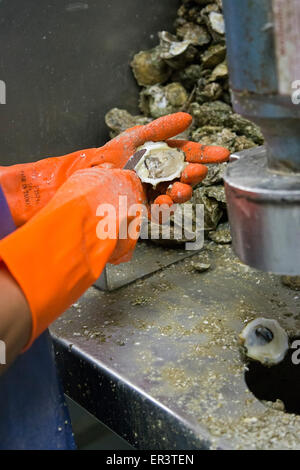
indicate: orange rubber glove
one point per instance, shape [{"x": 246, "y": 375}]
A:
[
  {"x": 196, "y": 155},
  {"x": 57, "y": 255},
  {"x": 29, "y": 187}
]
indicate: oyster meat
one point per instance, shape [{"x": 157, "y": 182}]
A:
[
  {"x": 160, "y": 163},
  {"x": 265, "y": 341}
]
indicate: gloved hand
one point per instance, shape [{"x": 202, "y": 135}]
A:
[
  {"x": 196, "y": 155},
  {"x": 57, "y": 255},
  {"x": 29, "y": 187}
]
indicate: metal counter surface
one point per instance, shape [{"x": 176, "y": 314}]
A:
[{"x": 159, "y": 362}]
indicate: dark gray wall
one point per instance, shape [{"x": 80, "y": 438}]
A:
[{"x": 65, "y": 64}]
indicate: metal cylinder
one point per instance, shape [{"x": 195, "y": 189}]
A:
[
  {"x": 264, "y": 212},
  {"x": 263, "y": 42},
  {"x": 263, "y": 186}
]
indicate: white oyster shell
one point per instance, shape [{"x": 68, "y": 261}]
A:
[
  {"x": 170, "y": 46},
  {"x": 265, "y": 341},
  {"x": 160, "y": 163},
  {"x": 217, "y": 22}
]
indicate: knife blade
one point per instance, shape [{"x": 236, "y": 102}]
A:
[{"x": 134, "y": 160}]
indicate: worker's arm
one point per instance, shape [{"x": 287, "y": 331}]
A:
[
  {"x": 15, "y": 317},
  {"x": 62, "y": 251}
]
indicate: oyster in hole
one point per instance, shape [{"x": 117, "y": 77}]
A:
[
  {"x": 265, "y": 341},
  {"x": 160, "y": 163}
]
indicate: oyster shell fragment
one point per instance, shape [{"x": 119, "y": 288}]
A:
[
  {"x": 265, "y": 341},
  {"x": 160, "y": 163}
]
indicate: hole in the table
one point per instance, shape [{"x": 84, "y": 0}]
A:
[{"x": 278, "y": 382}]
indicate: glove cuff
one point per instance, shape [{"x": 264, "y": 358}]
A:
[{"x": 54, "y": 258}]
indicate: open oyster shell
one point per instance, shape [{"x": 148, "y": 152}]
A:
[
  {"x": 160, "y": 163},
  {"x": 265, "y": 341}
]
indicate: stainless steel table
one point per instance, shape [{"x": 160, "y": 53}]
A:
[{"x": 159, "y": 362}]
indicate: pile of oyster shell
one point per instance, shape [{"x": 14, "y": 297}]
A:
[{"x": 187, "y": 71}]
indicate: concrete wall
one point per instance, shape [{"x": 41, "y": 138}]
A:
[{"x": 64, "y": 65}]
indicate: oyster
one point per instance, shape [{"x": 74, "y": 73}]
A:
[
  {"x": 215, "y": 135},
  {"x": 198, "y": 35},
  {"x": 157, "y": 101},
  {"x": 213, "y": 56},
  {"x": 213, "y": 210},
  {"x": 201, "y": 267},
  {"x": 215, "y": 174},
  {"x": 216, "y": 113},
  {"x": 160, "y": 163},
  {"x": 118, "y": 120},
  {"x": 176, "y": 53},
  {"x": 216, "y": 22},
  {"x": 217, "y": 193},
  {"x": 168, "y": 235},
  {"x": 217, "y": 125},
  {"x": 222, "y": 235},
  {"x": 265, "y": 341},
  {"x": 208, "y": 92},
  {"x": 220, "y": 72},
  {"x": 149, "y": 68},
  {"x": 243, "y": 143},
  {"x": 216, "y": 26},
  {"x": 244, "y": 127}
]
